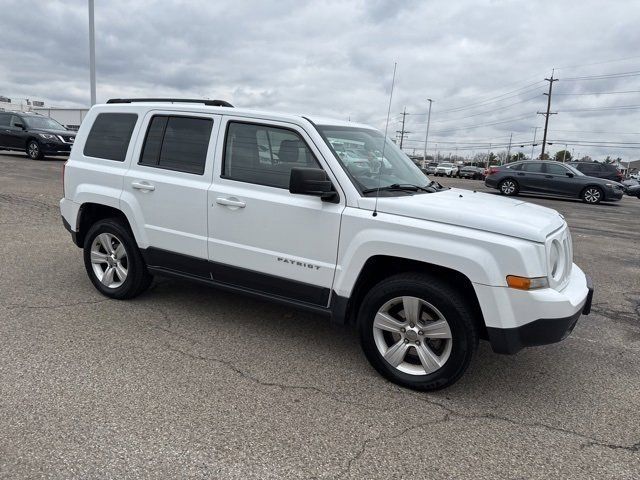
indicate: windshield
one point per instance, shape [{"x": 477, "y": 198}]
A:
[
  {"x": 446, "y": 165},
  {"x": 43, "y": 123},
  {"x": 359, "y": 150}
]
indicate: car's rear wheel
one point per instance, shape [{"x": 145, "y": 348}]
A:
[
  {"x": 592, "y": 195},
  {"x": 113, "y": 261},
  {"x": 508, "y": 187},
  {"x": 417, "y": 331},
  {"x": 34, "y": 152}
]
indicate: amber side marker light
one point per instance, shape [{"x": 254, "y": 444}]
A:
[{"x": 524, "y": 283}]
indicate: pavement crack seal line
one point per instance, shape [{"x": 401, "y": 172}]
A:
[
  {"x": 490, "y": 416},
  {"x": 382, "y": 437},
  {"x": 265, "y": 383}
]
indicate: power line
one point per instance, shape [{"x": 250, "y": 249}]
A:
[
  {"x": 468, "y": 127},
  {"x": 596, "y": 131},
  {"x": 485, "y": 112},
  {"x": 634, "y": 73},
  {"x": 597, "y": 63},
  {"x": 599, "y": 93},
  {"x": 595, "y": 109},
  {"x": 497, "y": 98}
]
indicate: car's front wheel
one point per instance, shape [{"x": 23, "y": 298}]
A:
[
  {"x": 592, "y": 195},
  {"x": 113, "y": 261},
  {"x": 417, "y": 331},
  {"x": 508, "y": 187},
  {"x": 34, "y": 152}
]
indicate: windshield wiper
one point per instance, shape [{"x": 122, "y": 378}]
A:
[{"x": 409, "y": 187}]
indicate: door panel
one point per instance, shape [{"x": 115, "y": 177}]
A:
[
  {"x": 531, "y": 177},
  {"x": 263, "y": 229},
  {"x": 557, "y": 181},
  {"x": 172, "y": 204}
]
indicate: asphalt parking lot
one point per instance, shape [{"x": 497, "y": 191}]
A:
[{"x": 190, "y": 382}]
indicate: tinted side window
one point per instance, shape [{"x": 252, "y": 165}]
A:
[
  {"x": 177, "y": 143},
  {"x": 515, "y": 167},
  {"x": 4, "y": 119},
  {"x": 16, "y": 121},
  {"x": 264, "y": 155},
  {"x": 555, "y": 169},
  {"x": 532, "y": 167},
  {"x": 109, "y": 136}
]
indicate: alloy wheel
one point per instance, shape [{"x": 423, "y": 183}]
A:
[
  {"x": 34, "y": 150},
  {"x": 508, "y": 187},
  {"x": 592, "y": 195},
  {"x": 109, "y": 260},
  {"x": 412, "y": 335}
]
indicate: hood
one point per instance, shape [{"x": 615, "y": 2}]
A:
[
  {"x": 66, "y": 133},
  {"x": 481, "y": 211}
]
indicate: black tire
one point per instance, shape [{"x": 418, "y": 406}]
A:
[
  {"x": 509, "y": 187},
  {"x": 33, "y": 150},
  {"x": 592, "y": 195},
  {"x": 447, "y": 300},
  {"x": 138, "y": 277}
]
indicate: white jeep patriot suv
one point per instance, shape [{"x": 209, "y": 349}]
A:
[{"x": 262, "y": 204}]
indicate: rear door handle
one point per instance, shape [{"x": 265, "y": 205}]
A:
[
  {"x": 143, "y": 186},
  {"x": 230, "y": 202}
]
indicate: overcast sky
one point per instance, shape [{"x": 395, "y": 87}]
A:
[{"x": 335, "y": 58}]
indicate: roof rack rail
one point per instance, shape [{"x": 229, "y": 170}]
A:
[{"x": 210, "y": 103}]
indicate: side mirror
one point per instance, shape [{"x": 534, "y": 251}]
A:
[
  {"x": 19, "y": 125},
  {"x": 312, "y": 181},
  {"x": 570, "y": 175}
]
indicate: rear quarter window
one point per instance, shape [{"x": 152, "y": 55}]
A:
[{"x": 110, "y": 136}]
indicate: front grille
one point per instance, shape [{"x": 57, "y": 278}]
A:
[{"x": 67, "y": 138}]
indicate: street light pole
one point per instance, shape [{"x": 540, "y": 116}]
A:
[
  {"x": 92, "y": 54},
  {"x": 426, "y": 136}
]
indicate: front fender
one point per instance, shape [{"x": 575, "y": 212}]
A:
[{"x": 483, "y": 257}]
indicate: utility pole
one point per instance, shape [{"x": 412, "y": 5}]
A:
[
  {"x": 533, "y": 144},
  {"x": 426, "y": 136},
  {"x": 509, "y": 149},
  {"x": 548, "y": 113},
  {"x": 403, "y": 132},
  {"x": 92, "y": 54},
  {"x": 564, "y": 154}
]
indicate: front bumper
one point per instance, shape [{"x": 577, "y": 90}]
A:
[
  {"x": 542, "y": 331},
  {"x": 55, "y": 148},
  {"x": 613, "y": 195}
]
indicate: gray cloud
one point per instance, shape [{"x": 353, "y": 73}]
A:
[{"x": 335, "y": 58}]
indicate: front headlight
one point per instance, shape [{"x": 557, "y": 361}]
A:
[{"x": 48, "y": 136}]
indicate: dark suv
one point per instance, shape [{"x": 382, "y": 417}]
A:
[
  {"x": 34, "y": 134},
  {"x": 600, "y": 170}
]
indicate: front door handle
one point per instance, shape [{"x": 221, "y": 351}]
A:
[
  {"x": 548, "y": 176},
  {"x": 143, "y": 186},
  {"x": 521, "y": 174},
  {"x": 230, "y": 202}
]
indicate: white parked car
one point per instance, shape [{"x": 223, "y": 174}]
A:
[
  {"x": 448, "y": 169},
  {"x": 260, "y": 203}
]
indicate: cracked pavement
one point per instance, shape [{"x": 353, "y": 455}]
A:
[{"x": 190, "y": 382}]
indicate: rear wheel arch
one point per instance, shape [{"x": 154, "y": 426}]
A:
[
  {"x": 90, "y": 213},
  {"x": 380, "y": 267}
]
